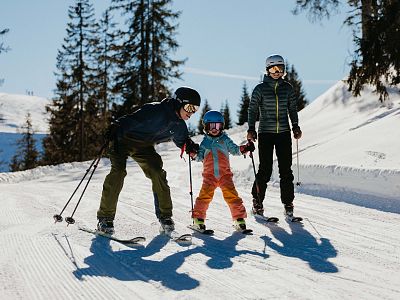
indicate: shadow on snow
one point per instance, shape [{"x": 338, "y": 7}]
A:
[
  {"x": 303, "y": 245},
  {"x": 131, "y": 264}
]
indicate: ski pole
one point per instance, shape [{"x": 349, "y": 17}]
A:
[
  {"x": 190, "y": 180},
  {"x": 58, "y": 217},
  {"x": 255, "y": 176},
  {"x": 298, "y": 167},
  {"x": 70, "y": 220}
]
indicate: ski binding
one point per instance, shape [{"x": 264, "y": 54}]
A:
[
  {"x": 176, "y": 236},
  {"x": 267, "y": 219},
  {"x": 294, "y": 219}
]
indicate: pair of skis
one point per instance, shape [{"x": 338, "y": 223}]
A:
[
  {"x": 265, "y": 219},
  {"x": 211, "y": 232},
  {"x": 139, "y": 240}
]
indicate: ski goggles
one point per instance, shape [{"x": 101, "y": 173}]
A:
[
  {"x": 190, "y": 108},
  {"x": 276, "y": 69},
  {"x": 214, "y": 125}
]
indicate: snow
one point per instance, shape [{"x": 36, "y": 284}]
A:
[
  {"x": 13, "y": 113},
  {"x": 347, "y": 246}
]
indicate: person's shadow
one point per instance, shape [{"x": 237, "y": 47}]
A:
[
  {"x": 303, "y": 245},
  {"x": 222, "y": 252},
  {"x": 130, "y": 264}
]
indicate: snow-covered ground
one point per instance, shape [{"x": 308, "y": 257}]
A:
[{"x": 347, "y": 246}]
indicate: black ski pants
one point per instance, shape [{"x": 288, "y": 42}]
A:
[{"x": 283, "y": 147}]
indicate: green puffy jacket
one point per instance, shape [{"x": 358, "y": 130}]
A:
[{"x": 275, "y": 100}]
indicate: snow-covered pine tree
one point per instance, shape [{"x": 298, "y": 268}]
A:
[
  {"x": 243, "y": 112},
  {"x": 75, "y": 110},
  {"x": 26, "y": 156},
  {"x": 205, "y": 109},
  {"x": 293, "y": 77}
]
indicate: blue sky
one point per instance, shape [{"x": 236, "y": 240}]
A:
[{"x": 225, "y": 43}]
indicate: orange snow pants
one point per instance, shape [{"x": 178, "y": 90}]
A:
[{"x": 225, "y": 182}]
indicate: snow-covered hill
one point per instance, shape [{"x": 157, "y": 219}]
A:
[
  {"x": 13, "y": 113},
  {"x": 14, "y": 108}
]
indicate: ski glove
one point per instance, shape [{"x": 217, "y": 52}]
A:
[
  {"x": 249, "y": 147},
  {"x": 191, "y": 148},
  {"x": 296, "y": 132},
  {"x": 251, "y": 135}
]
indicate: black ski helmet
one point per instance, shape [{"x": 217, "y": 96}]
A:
[{"x": 187, "y": 95}]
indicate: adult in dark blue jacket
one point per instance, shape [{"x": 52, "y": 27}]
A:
[
  {"x": 135, "y": 136},
  {"x": 275, "y": 101}
]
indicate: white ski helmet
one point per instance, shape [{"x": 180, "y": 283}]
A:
[{"x": 274, "y": 60}]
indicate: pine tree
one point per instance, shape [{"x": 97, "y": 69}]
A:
[
  {"x": 205, "y": 109},
  {"x": 145, "y": 66},
  {"x": 27, "y": 156},
  {"x": 106, "y": 64},
  {"x": 227, "y": 116},
  {"x": 293, "y": 78},
  {"x": 75, "y": 112},
  {"x": 243, "y": 112},
  {"x": 376, "y": 34}
]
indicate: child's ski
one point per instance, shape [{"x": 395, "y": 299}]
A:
[
  {"x": 202, "y": 231},
  {"x": 127, "y": 242}
]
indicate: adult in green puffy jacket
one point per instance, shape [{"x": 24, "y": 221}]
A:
[
  {"x": 275, "y": 101},
  {"x": 135, "y": 135}
]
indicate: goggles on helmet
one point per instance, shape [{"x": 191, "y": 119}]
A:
[
  {"x": 190, "y": 108},
  {"x": 214, "y": 125},
  {"x": 276, "y": 69}
]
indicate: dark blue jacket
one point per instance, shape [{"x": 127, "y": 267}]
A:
[{"x": 155, "y": 123}]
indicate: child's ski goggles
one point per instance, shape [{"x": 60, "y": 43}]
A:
[
  {"x": 276, "y": 69},
  {"x": 213, "y": 125},
  {"x": 190, "y": 108}
]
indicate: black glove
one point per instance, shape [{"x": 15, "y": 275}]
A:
[
  {"x": 249, "y": 147},
  {"x": 297, "y": 132},
  {"x": 191, "y": 147},
  {"x": 251, "y": 135},
  {"x": 111, "y": 131}
]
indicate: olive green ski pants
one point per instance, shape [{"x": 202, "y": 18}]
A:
[{"x": 150, "y": 162}]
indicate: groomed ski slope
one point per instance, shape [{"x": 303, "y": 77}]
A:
[
  {"x": 342, "y": 250},
  {"x": 347, "y": 247}
]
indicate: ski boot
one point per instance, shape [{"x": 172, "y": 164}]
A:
[
  {"x": 105, "y": 225},
  {"x": 167, "y": 225},
  {"x": 240, "y": 226},
  {"x": 257, "y": 211},
  {"x": 289, "y": 210},
  {"x": 199, "y": 224}
]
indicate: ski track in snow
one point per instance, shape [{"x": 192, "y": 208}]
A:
[{"x": 340, "y": 250}]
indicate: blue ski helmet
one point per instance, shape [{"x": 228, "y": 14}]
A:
[{"x": 213, "y": 116}]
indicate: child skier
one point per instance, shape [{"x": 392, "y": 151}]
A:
[{"x": 214, "y": 153}]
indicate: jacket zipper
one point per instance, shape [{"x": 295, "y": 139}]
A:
[{"x": 277, "y": 108}]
